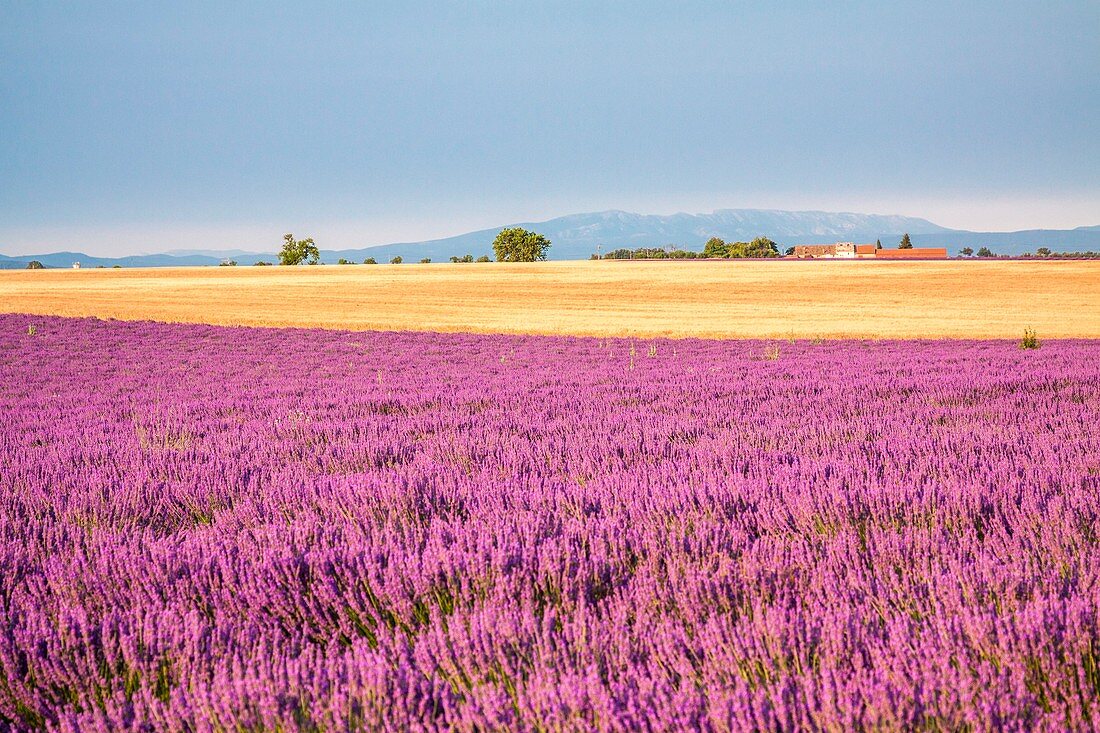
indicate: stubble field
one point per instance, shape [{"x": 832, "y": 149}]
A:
[{"x": 750, "y": 299}]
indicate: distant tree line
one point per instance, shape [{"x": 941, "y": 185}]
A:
[
  {"x": 715, "y": 248},
  {"x": 1044, "y": 253},
  {"x": 648, "y": 253}
]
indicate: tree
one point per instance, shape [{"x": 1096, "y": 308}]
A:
[
  {"x": 715, "y": 247},
  {"x": 520, "y": 245},
  {"x": 426, "y": 260},
  {"x": 35, "y": 265},
  {"x": 297, "y": 252},
  {"x": 985, "y": 252},
  {"x": 396, "y": 260},
  {"x": 761, "y": 247},
  {"x": 905, "y": 242},
  {"x": 789, "y": 252},
  {"x": 484, "y": 258},
  {"x": 370, "y": 261},
  {"x": 343, "y": 261},
  {"x": 878, "y": 244},
  {"x": 1043, "y": 252},
  {"x": 227, "y": 263},
  {"x": 966, "y": 252},
  {"x": 261, "y": 263}
]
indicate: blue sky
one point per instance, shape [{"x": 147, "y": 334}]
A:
[{"x": 128, "y": 127}]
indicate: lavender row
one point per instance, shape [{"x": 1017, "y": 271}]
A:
[{"x": 211, "y": 528}]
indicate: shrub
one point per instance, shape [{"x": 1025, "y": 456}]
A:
[
  {"x": 1030, "y": 339},
  {"x": 484, "y": 258},
  {"x": 396, "y": 260},
  {"x": 426, "y": 260},
  {"x": 261, "y": 263},
  {"x": 370, "y": 261}
]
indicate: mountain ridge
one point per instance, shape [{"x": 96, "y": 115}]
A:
[{"x": 577, "y": 236}]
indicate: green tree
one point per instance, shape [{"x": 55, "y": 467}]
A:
[
  {"x": 715, "y": 247},
  {"x": 343, "y": 261},
  {"x": 296, "y": 252},
  {"x": 761, "y": 247},
  {"x": 370, "y": 261},
  {"x": 34, "y": 265},
  {"x": 261, "y": 263},
  {"x": 520, "y": 245},
  {"x": 484, "y": 258},
  {"x": 396, "y": 260},
  {"x": 736, "y": 250},
  {"x": 227, "y": 263},
  {"x": 1043, "y": 252},
  {"x": 426, "y": 261},
  {"x": 985, "y": 252},
  {"x": 966, "y": 252},
  {"x": 905, "y": 242},
  {"x": 878, "y": 244}
]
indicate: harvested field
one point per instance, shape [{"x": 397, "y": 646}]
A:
[{"x": 751, "y": 299}]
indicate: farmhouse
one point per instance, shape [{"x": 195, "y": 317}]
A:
[{"x": 848, "y": 250}]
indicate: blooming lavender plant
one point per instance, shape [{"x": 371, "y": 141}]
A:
[{"x": 209, "y": 528}]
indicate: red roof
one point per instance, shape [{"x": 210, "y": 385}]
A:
[
  {"x": 917, "y": 253},
  {"x": 865, "y": 249}
]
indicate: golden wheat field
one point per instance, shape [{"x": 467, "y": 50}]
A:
[{"x": 722, "y": 299}]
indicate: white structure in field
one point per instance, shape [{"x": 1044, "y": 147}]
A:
[{"x": 76, "y": 265}]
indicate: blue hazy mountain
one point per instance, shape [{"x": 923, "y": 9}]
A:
[{"x": 579, "y": 235}]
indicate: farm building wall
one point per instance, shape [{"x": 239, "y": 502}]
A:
[
  {"x": 917, "y": 253},
  {"x": 815, "y": 250}
]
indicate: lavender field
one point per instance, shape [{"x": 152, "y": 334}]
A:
[{"x": 207, "y": 528}]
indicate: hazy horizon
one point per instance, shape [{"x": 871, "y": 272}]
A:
[
  {"x": 132, "y": 129},
  {"x": 135, "y": 239}
]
